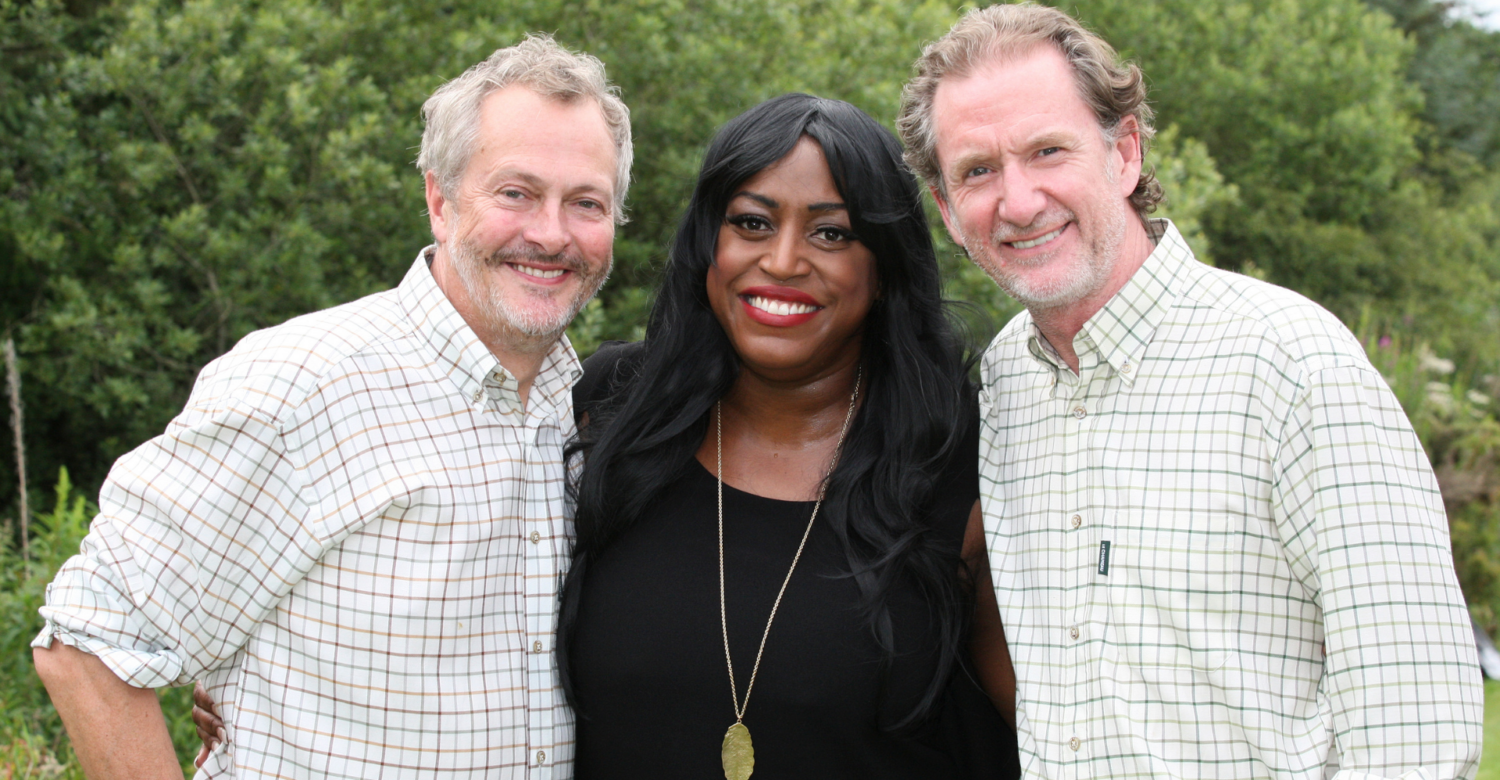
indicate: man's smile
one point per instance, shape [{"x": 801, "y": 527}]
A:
[
  {"x": 537, "y": 273},
  {"x": 1039, "y": 240}
]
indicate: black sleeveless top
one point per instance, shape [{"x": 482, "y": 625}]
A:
[{"x": 647, "y": 652}]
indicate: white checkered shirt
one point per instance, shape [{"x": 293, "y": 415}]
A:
[
  {"x": 353, "y": 533},
  {"x": 1263, "y": 497}
]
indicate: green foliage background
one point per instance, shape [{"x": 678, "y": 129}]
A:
[{"x": 177, "y": 173}]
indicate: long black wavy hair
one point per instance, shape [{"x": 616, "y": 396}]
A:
[{"x": 917, "y": 406}]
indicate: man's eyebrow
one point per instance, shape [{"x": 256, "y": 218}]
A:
[
  {"x": 964, "y": 163},
  {"x": 1046, "y": 140},
  {"x": 538, "y": 183},
  {"x": 530, "y": 180},
  {"x": 1054, "y": 138}
]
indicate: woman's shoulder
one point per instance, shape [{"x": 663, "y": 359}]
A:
[{"x": 606, "y": 372}]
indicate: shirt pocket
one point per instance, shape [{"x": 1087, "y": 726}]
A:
[{"x": 1173, "y": 597}]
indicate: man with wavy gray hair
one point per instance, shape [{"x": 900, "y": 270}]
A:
[
  {"x": 1218, "y": 548},
  {"x": 354, "y": 531}
]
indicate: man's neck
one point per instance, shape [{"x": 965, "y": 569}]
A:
[
  {"x": 1061, "y": 324},
  {"x": 520, "y": 354}
]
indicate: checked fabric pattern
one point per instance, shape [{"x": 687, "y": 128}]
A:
[
  {"x": 1263, "y": 498},
  {"x": 353, "y": 533}
]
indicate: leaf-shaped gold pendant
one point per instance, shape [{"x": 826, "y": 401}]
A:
[{"x": 738, "y": 753}]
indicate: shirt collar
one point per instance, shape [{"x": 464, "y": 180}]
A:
[
  {"x": 1122, "y": 330},
  {"x": 458, "y": 352}
]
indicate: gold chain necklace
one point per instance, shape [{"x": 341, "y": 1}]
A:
[{"x": 737, "y": 752}]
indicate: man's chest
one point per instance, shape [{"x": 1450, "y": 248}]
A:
[
  {"x": 1178, "y": 440},
  {"x": 446, "y": 536}
]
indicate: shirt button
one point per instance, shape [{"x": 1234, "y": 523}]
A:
[
  {"x": 536, "y": 647},
  {"x": 541, "y": 757},
  {"x": 478, "y": 394},
  {"x": 536, "y": 537},
  {"x": 1126, "y": 368},
  {"x": 1073, "y": 632},
  {"x": 1075, "y": 743},
  {"x": 1080, "y": 412},
  {"x": 1076, "y": 521}
]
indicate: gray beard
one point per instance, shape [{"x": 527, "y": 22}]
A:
[
  {"x": 532, "y": 328},
  {"x": 1089, "y": 275}
]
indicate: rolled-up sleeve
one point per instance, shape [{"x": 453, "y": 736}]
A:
[
  {"x": 201, "y": 532},
  {"x": 1363, "y": 520}
]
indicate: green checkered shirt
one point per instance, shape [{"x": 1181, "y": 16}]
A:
[{"x": 1226, "y": 490}]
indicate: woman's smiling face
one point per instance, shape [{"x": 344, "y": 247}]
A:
[{"x": 790, "y": 283}]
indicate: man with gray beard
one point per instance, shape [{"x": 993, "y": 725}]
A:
[
  {"x": 354, "y": 531},
  {"x": 1217, "y": 546}
]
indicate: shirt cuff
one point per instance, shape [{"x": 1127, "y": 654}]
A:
[{"x": 138, "y": 668}]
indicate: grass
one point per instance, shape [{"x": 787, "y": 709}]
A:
[{"x": 1489, "y": 763}]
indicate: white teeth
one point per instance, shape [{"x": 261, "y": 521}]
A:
[
  {"x": 783, "y": 308},
  {"x": 1039, "y": 240},
  {"x": 538, "y": 272}
]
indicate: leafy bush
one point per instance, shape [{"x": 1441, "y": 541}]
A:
[{"x": 176, "y": 173}]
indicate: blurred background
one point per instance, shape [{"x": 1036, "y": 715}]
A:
[{"x": 174, "y": 175}]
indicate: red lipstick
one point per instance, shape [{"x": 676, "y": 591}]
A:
[{"x": 779, "y": 294}]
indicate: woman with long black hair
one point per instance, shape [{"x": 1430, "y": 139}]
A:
[
  {"x": 778, "y": 484},
  {"x": 779, "y": 565}
]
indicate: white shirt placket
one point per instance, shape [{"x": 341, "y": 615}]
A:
[
  {"x": 1071, "y": 398},
  {"x": 539, "y": 511}
]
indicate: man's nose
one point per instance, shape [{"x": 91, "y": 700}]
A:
[
  {"x": 547, "y": 229},
  {"x": 1021, "y": 197}
]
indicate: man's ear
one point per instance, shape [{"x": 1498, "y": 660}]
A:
[
  {"x": 1128, "y": 147},
  {"x": 436, "y": 215},
  {"x": 943, "y": 208}
]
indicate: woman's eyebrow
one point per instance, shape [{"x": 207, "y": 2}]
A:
[
  {"x": 771, "y": 203},
  {"x": 761, "y": 199}
]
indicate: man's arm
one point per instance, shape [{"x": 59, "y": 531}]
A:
[
  {"x": 1363, "y": 521},
  {"x": 201, "y": 533},
  {"x": 117, "y": 730},
  {"x": 987, "y": 645}
]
